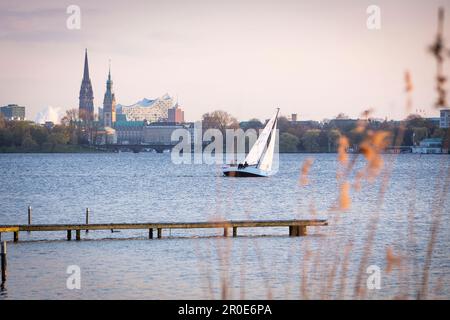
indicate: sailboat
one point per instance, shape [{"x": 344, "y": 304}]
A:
[{"x": 258, "y": 162}]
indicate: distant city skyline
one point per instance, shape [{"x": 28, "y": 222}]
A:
[{"x": 313, "y": 58}]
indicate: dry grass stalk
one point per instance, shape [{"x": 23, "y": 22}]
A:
[
  {"x": 438, "y": 49},
  {"x": 305, "y": 170},
  {"x": 437, "y": 215}
]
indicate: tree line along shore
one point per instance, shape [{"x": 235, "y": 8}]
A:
[{"x": 295, "y": 136}]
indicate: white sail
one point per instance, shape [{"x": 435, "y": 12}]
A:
[
  {"x": 266, "y": 161},
  {"x": 258, "y": 148}
]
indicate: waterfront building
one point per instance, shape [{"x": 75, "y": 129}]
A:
[
  {"x": 175, "y": 114},
  {"x": 109, "y": 103},
  {"x": 445, "y": 119},
  {"x": 435, "y": 121},
  {"x": 342, "y": 123},
  {"x": 312, "y": 124},
  {"x": 13, "y": 112},
  {"x": 120, "y": 117},
  {"x": 430, "y": 145},
  {"x": 129, "y": 132},
  {"x": 151, "y": 110},
  {"x": 294, "y": 117},
  {"x": 160, "y": 133},
  {"x": 86, "y": 105},
  {"x": 106, "y": 135}
]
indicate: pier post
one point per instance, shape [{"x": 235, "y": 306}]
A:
[
  {"x": 234, "y": 231},
  {"x": 301, "y": 231},
  {"x": 3, "y": 261},
  {"x": 225, "y": 232},
  {"x": 16, "y": 236},
  {"x": 77, "y": 235},
  {"x": 150, "y": 233},
  {"x": 29, "y": 216},
  {"x": 297, "y": 231},
  {"x": 87, "y": 218},
  {"x": 69, "y": 235},
  {"x": 159, "y": 233},
  {"x": 294, "y": 231}
]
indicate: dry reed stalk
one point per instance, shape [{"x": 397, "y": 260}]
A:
[
  {"x": 304, "y": 279},
  {"x": 358, "y": 290},
  {"x": 437, "y": 215},
  {"x": 333, "y": 246},
  {"x": 263, "y": 269},
  {"x": 408, "y": 89},
  {"x": 345, "y": 264},
  {"x": 305, "y": 170},
  {"x": 410, "y": 241},
  {"x": 437, "y": 49},
  {"x": 204, "y": 269},
  {"x": 330, "y": 278},
  {"x": 242, "y": 274}
]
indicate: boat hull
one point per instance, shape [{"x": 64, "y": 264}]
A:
[{"x": 248, "y": 172}]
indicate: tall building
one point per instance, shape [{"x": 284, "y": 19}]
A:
[
  {"x": 13, "y": 112},
  {"x": 86, "y": 106},
  {"x": 445, "y": 119},
  {"x": 294, "y": 117},
  {"x": 175, "y": 114},
  {"x": 109, "y": 104}
]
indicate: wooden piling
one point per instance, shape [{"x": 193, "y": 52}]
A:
[
  {"x": 297, "y": 231},
  {"x": 3, "y": 262},
  {"x": 29, "y": 216},
  {"x": 16, "y": 236},
  {"x": 150, "y": 233},
  {"x": 301, "y": 231},
  {"x": 78, "y": 235},
  {"x": 87, "y": 218},
  {"x": 159, "y": 233},
  {"x": 234, "y": 231},
  {"x": 225, "y": 232},
  {"x": 69, "y": 235}
]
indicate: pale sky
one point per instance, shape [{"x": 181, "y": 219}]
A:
[{"x": 315, "y": 58}]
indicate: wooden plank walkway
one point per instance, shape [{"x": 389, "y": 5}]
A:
[{"x": 296, "y": 227}]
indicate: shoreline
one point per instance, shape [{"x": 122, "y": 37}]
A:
[{"x": 90, "y": 150}]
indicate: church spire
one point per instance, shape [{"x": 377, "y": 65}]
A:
[
  {"x": 86, "y": 66},
  {"x": 86, "y": 106},
  {"x": 109, "y": 102},
  {"x": 109, "y": 73}
]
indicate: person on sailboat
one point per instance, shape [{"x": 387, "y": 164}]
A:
[{"x": 245, "y": 164}]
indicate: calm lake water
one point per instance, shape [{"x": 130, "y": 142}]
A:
[{"x": 199, "y": 264}]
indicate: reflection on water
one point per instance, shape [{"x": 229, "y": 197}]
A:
[{"x": 260, "y": 263}]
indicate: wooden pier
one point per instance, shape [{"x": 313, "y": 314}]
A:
[{"x": 296, "y": 227}]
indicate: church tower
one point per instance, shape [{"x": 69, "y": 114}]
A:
[
  {"x": 109, "y": 103},
  {"x": 86, "y": 106}
]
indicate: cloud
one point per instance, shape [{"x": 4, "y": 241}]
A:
[{"x": 48, "y": 114}]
